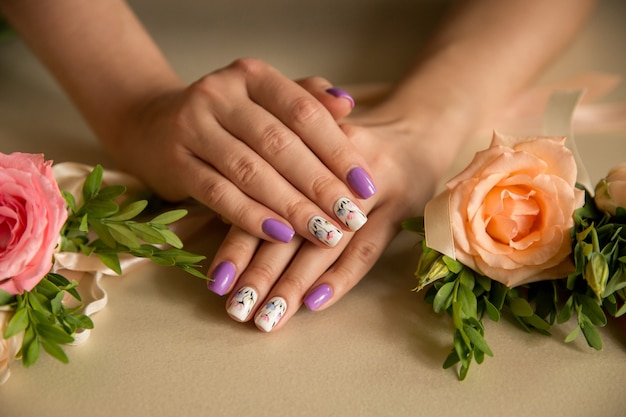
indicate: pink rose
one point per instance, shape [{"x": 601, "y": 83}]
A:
[
  {"x": 32, "y": 213},
  {"x": 611, "y": 191},
  {"x": 512, "y": 210}
]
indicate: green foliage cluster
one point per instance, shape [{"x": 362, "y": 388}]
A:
[
  {"x": 98, "y": 226},
  {"x": 595, "y": 289}
]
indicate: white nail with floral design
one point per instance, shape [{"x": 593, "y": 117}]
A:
[
  {"x": 271, "y": 313},
  {"x": 242, "y": 303},
  {"x": 349, "y": 214},
  {"x": 325, "y": 231}
]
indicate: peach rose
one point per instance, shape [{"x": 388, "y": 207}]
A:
[
  {"x": 32, "y": 213},
  {"x": 611, "y": 191},
  {"x": 8, "y": 347},
  {"x": 511, "y": 209}
]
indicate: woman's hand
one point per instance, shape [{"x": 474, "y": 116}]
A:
[
  {"x": 269, "y": 282},
  {"x": 259, "y": 149}
]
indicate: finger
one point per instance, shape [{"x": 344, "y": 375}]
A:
[
  {"x": 258, "y": 277},
  {"x": 257, "y": 179},
  {"x": 232, "y": 257},
  {"x": 301, "y": 113},
  {"x": 337, "y": 101},
  {"x": 359, "y": 256}
]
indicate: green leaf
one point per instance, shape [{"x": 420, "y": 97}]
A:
[
  {"x": 93, "y": 182},
  {"x": 130, "y": 211},
  {"x": 520, "y": 307},
  {"x": 54, "y": 334},
  {"x": 566, "y": 312},
  {"x": 6, "y": 298},
  {"x": 112, "y": 261},
  {"x": 79, "y": 321},
  {"x": 451, "y": 360},
  {"x": 54, "y": 350},
  {"x": 453, "y": 265},
  {"x": 591, "y": 333},
  {"x": 111, "y": 192},
  {"x": 123, "y": 235},
  {"x": 70, "y": 200},
  {"x": 31, "y": 352},
  {"x": 147, "y": 233},
  {"x": 443, "y": 299},
  {"x": 477, "y": 339},
  {"x": 572, "y": 335},
  {"x": 99, "y": 209},
  {"x": 415, "y": 224},
  {"x": 492, "y": 311},
  {"x": 18, "y": 323},
  {"x": 171, "y": 238},
  {"x": 592, "y": 310},
  {"x": 169, "y": 217}
]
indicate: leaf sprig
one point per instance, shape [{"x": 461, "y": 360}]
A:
[
  {"x": 118, "y": 231},
  {"x": 44, "y": 318}
]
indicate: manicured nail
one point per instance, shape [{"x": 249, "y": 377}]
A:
[
  {"x": 277, "y": 230},
  {"x": 316, "y": 298},
  {"x": 361, "y": 183},
  {"x": 242, "y": 303},
  {"x": 271, "y": 313},
  {"x": 338, "y": 92},
  {"x": 349, "y": 214},
  {"x": 222, "y": 278},
  {"x": 325, "y": 231}
]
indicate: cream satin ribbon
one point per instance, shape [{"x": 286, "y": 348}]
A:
[
  {"x": 557, "y": 122},
  {"x": 88, "y": 270}
]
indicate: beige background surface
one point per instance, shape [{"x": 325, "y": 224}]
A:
[{"x": 164, "y": 345}]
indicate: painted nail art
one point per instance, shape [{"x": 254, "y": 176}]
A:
[
  {"x": 278, "y": 230},
  {"x": 325, "y": 231},
  {"x": 316, "y": 298},
  {"x": 222, "y": 278},
  {"x": 271, "y": 313},
  {"x": 338, "y": 92},
  {"x": 242, "y": 303},
  {"x": 349, "y": 214},
  {"x": 361, "y": 183}
]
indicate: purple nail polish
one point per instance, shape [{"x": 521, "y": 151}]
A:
[
  {"x": 278, "y": 230},
  {"x": 316, "y": 298},
  {"x": 338, "y": 92},
  {"x": 361, "y": 183},
  {"x": 222, "y": 277}
]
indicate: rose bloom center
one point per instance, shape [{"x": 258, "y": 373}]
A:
[{"x": 510, "y": 214}]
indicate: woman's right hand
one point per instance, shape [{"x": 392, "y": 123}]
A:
[{"x": 263, "y": 151}]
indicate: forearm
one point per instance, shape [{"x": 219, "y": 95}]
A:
[
  {"x": 99, "y": 53},
  {"x": 486, "y": 52}
]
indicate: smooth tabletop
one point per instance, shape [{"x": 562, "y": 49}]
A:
[{"x": 164, "y": 345}]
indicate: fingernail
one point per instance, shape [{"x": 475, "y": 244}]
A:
[
  {"x": 325, "y": 231},
  {"x": 242, "y": 303},
  {"x": 338, "y": 92},
  {"x": 277, "y": 230},
  {"x": 222, "y": 278},
  {"x": 361, "y": 183},
  {"x": 349, "y": 214},
  {"x": 271, "y": 313},
  {"x": 316, "y": 298}
]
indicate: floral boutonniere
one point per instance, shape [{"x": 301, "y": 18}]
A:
[
  {"x": 513, "y": 234},
  {"x": 40, "y": 309}
]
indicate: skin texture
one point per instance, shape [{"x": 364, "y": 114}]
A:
[{"x": 482, "y": 57}]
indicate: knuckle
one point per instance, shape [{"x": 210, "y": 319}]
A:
[
  {"x": 320, "y": 186},
  {"x": 365, "y": 253},
  {"x": 212, "y": 192},
  {"x": 262, "y": 272},
  {"x": 244, "y": 171},
  {"x": 294, "y": 208},
  {"x": 248, "y": 66},
  {"x": 305, "y": 110},
  {"x": 275, "y": 139},
  {"x": 294, "y": 283}
]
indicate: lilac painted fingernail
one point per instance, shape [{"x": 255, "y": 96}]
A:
[
  {"x": 338, "y": 92},
  {"x": 277, "y": 230},
  {"x": 222, "y": 278},
  {"x": 316, "y": 298},
  {"x": 361, "y": 183}
]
